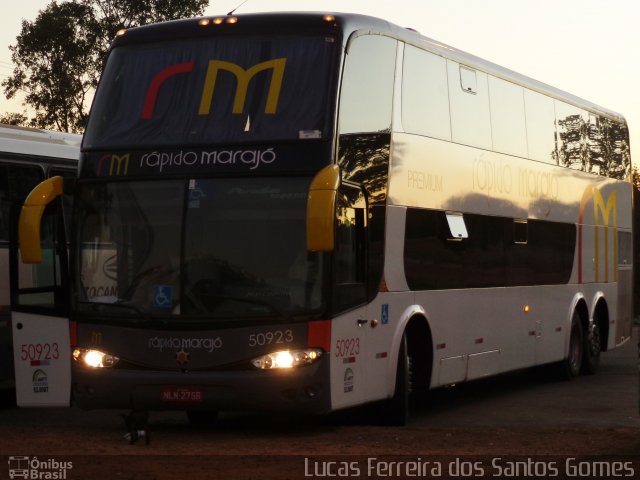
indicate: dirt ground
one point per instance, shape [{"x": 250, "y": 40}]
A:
[
  {"x": 588, "y": 428},
  {"x": 251, "y": 447}
]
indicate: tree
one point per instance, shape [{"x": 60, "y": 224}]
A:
[
  {"x": 53, "y": 65},
  {"x": 13, "y": 118},
  {"x": 635, "y": 178},
  {"x": 58, "y": 57},
  {"x": 116, "y": 14}
]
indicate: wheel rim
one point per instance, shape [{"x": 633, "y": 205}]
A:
[{"x": 594, "y": 341}]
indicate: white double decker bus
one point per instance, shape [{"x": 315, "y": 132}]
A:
[{"x": 307, "y": 212}]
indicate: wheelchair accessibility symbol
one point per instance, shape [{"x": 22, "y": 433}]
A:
[{"x": 162, "y": 296}]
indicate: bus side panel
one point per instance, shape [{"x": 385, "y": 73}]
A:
[
  {"x": 42, "y": 358},
  {"x": 624, "y": 306},
  {"x": 349, "y": 358}
]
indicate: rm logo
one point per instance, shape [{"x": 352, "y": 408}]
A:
[
  {"x": 605, "y": 214},
  {"x": 118, "y": 165},
  {"x": 243, "y": 79}
]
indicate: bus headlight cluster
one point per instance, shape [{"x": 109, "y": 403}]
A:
[
  {"x": 287, "y": 359},
  {"x": 94, "y": 358}
]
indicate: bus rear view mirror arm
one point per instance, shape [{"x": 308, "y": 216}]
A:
[
  {"x": 321, "y": 209},
  {"x": 31, "y": 217}
]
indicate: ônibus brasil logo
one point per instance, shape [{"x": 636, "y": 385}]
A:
[{"x": 32, "y": 468}]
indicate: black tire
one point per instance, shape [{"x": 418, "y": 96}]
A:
[
  {"x": 570, "y": 367},
  {"x": 592, "y": 348},
  {"x": 397, "y": 409}
]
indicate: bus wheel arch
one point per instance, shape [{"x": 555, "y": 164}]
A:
[
  {"x": 420, "y": 351},
  {"x": 412, "y": 368}
]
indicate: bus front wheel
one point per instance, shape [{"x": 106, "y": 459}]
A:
[{"x": 397, "y": 411}]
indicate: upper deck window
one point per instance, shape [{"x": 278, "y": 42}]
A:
[
  {"x": 367, "y": 85},
  {"x": 214, "y": 91}
]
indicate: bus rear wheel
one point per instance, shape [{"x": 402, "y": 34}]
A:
[
  {"x": 570, "y": 366},
  {"x": 592, "y": 348}
]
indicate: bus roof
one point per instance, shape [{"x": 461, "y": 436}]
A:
[
  {"x": 44, "y": 143},
  {"x": 344, "y": 25}
]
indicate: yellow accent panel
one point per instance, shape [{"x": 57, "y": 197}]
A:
[
  {"x": 321, "y": 210},
  {"x": 243, "y": 77},
  {"x": 31, "y": 217},
  {"x": 326, "y": 179},
  {"x": 608, "y": 211}
]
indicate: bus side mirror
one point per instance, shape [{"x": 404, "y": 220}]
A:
[
  {"x": 31, "y": 217},
  {"x": 321, "y": 210}
]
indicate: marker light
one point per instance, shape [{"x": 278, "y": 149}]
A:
[
  {"x": 232, "y": 20},
  {"x": 218, "y": 21},
  {"x": 121, "y": 32},
  {"x": 526, "y": 309},
  {"x": 204, "y": 22},
  {"x": 94, "y": 358},
  {"x": 287, "y": 359},
  {"x": 328, "y": 18}
]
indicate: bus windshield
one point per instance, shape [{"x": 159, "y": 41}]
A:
[
  {"x": 217, "y": 90},
  {"x": 217, "y": 248}
]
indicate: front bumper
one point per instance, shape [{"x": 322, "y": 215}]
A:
[{"x": 302, "y": 390}]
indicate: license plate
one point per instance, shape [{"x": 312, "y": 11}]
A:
[{"x": 182, "y": 394}]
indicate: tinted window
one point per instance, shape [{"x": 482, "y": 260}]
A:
[
  {"x": 224, "y": 89},
  {"x": 367, "y": 85},
  {"x": 470, "y": 117},
  {"x": 425, "y": 95},
  {"x": 509, "y": 130},
  {"x": 16, "y": 182},
  {"x": 541, "y": 127},
  {"x": 609, "y": 153},
  {"x": 498, "y": 252}
]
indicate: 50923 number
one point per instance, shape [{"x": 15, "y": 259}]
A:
[
  {"x": 39, "y": 351},
  {"x": 347, "y": 347},
  {"x": 271, "y": 337}
]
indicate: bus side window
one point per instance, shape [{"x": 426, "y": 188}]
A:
[
  {"x": 16, "y": 181},
  {"x": 67, "y": 198},
  {"x": 367, "y": 86},
  {"x": 350, "y": 252},
  {"x": 43, "y": 287}
]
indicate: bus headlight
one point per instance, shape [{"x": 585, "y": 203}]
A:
[
  {"x": 287, "y": 359},
  {"x": 94, "y": 358}
]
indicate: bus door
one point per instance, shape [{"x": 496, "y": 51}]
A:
[
  {"x": 39, "y": 315},
  {"x": 350, "y": 328}
]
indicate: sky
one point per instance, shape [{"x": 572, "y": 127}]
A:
[{"x": 590, "y": 48}]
